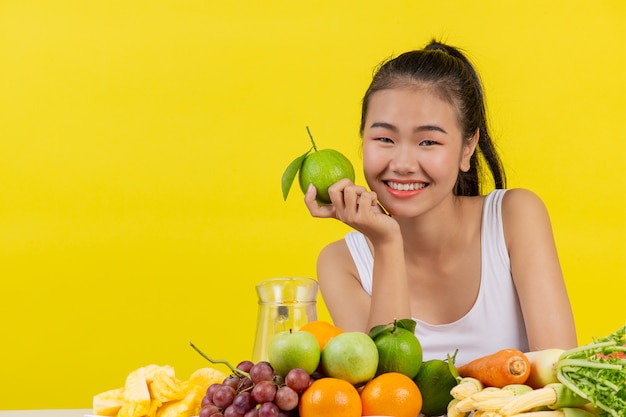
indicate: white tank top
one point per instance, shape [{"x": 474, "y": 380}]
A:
[{"x": 494, "y": 322}]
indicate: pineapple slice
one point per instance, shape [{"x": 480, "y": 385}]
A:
[
  {"x": 108, "y": 403},
  {"x": 206, "y": 377},
  {"x": 165, "y": 386},
  {"x": 154, "y": 391},
  {"x": 137, "y": 400},
  {"x": 186, "y": 407}
]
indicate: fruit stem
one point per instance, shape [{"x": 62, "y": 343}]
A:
[
  {"x": 311, "y": 137},
  {"x": 395, "y": 325},
  {"x": 236, "y": 371}
]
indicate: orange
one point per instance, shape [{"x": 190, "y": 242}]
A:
[
  {"x": 391, "y": 394},
  {"x": 322, "y": 330},
  {"x": 330, "y": 397}
]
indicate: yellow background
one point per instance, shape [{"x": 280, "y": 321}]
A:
[{"x": 143, "y": 142}]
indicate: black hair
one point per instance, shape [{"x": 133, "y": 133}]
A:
[{"x": 453, "y": 77}]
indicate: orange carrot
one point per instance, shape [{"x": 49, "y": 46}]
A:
[{"x": 505, "y": 367}]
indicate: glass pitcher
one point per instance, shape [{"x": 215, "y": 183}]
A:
[{"x": 284, "y": 304}]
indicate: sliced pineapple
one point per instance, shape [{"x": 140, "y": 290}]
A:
[
  {"x": 108, "y": 403},
  {"x": 206, "y": 377},
  {"x": 151, "y": 370},
  {"x": 165, "y": 386},
  {"x": 186, "y": 407},
  {"x": 155, "y": 391},
  {"x": 137, "y": 398}
]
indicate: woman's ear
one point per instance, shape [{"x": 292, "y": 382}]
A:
[{"x": 469, "y": 146}]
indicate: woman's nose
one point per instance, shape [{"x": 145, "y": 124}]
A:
[{"x": 404, "y": 160}]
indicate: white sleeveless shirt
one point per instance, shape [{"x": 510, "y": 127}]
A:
[{"x": 495, "y": 321}]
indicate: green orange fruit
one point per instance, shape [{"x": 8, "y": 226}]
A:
[
  {"x": 399, "y": 350},
  {"x": 322, "y": 168},
  {"x": 435, "y": 380}
]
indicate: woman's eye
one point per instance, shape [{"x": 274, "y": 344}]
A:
[
  {"x": 428, "y": 143},
  {"x": 384, "y": 140}
]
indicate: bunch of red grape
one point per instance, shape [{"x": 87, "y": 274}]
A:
[{"x": 256, "y": 390}]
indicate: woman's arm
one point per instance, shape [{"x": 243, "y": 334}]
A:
[
  {"x": 390, "y": 289},
  {"x": 537, "y": 272},
  {"x": 347, "y": 302},
  {"x": 349, "y": 305}
]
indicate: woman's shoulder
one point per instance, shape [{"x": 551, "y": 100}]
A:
[
  {"x": 523, "y": 214},
  {"x": 520, "y": 200},
  {"x": 335, "y": 260},
  {"x": 353, "y": 239},
  {"x": 353, "y": 248},
  {"x": 334, "y": 251}
]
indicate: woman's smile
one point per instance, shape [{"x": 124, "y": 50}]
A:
[{"x": 405, "y": 186}]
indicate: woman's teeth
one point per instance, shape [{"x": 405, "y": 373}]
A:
[{"x": 405, "y": 186}]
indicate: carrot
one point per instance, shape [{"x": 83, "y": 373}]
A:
[{"x": 504, "y": 367}]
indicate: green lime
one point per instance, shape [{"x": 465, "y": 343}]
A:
[
  {"x": 435, "y": 381},
  {"x": 399, "y": 350},
  {"x": 323, "y": 168}
]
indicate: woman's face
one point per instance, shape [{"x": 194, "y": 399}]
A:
[{"x": 413, "y": 149}]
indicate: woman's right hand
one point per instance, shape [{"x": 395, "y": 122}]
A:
[
  {"x": 358, "y": 208},
  {"x": 355, "y": 206}
]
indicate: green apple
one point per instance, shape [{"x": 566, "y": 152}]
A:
[
  {"x": 288, "y": 350},
  {"x": 351, "y": 356}
]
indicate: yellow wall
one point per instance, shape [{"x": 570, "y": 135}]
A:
[{"x": 142, "y": 145}]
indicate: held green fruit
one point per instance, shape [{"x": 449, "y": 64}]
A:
[
  {"x": 351, "y": 356},
  {"x": 435, "y": 381},
  {"x": 321, "y": 168},
  {"x": 288, "y": 350}
]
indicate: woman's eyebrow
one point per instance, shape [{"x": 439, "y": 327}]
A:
[
  {"x": 430, "y": 128},
  {"x": 384, "y": 125},
  {"x": 423, "y": 128}
]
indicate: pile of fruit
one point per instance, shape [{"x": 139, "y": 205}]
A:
[{"x": 321, "y": 371}]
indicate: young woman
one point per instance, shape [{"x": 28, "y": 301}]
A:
[{"x": 477, "y": 273}]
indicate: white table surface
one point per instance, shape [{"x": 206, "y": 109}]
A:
[{"x": 46, "y": 413}]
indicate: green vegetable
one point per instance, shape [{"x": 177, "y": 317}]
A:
[
  {"x": 517, "y": 389},
  {"x": 565, "y": 397},
  {"x": 576, "y": 412},
  {"x": 597, "y": 372},
  {"x": 553, "y": 396}
]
